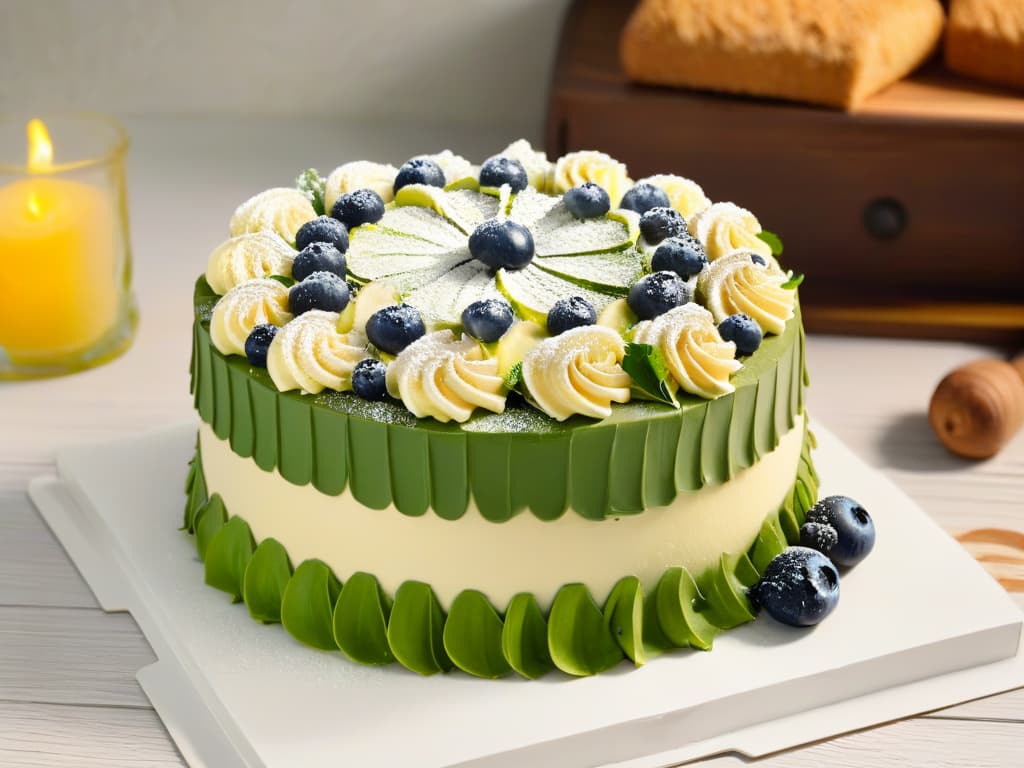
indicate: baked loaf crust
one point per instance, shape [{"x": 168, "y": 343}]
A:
[
  {"x": 985, "y": 39},
  {"x": 833, "y": 52}
]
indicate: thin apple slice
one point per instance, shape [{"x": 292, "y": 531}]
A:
[{"x": 532, "y": 292}]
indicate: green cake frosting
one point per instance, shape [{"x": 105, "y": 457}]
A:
[
  {"x": 579, "y": 636},
  {"x": 383, "y": 455}
]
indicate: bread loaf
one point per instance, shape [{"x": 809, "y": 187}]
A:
[
  {"x": 834, "y": 52},
  {"x": 985, "y": 39}
]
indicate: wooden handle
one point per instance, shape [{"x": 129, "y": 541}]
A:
[{"x": 977, "y": 408}]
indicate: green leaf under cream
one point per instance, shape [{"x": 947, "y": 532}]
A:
[
  {"x": 774, "y": 241},
  {"x": 646, "y": 367},
  {"x": 311, "y": 184}
]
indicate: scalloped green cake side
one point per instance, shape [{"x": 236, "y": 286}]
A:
[
  {"x": 579, "y": 635},
  {"x": 652, "y": 452}
]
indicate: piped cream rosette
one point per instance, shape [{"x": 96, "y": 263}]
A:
[
  {"x": 725, "y": 227},
  {"x": 698, "y": 358},
  {"x": 736, "y": 283},
  {"x": 248, "y": 304},
  {"x": 685, "y": 195},
  {"x": 311, "y": 355},
  {"x": 445, "y": 377},
  {"x": 576, "y": 168},
  {"x": 539, "y": 170},
  {"x": 577, "y": 372},
  {"x": 247, "y": 257},
  {"x": 360, "y": 174},
  {"x": 281, "y": 209}
]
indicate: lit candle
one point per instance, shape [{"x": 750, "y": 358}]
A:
[{"x": 60, "y": 276}]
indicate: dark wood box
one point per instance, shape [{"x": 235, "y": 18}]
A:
[{"x": 907, "y": 215}]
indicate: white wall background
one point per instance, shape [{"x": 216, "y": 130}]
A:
[{"x": 484, "y": 62}]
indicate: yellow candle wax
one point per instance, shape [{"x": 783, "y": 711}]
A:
[{"x": 59, "y": 281}]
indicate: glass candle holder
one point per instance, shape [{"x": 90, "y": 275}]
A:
[{"x": 65, "y": 257}]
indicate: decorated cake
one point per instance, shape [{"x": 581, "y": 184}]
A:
[{"x": 515, "y": 417}]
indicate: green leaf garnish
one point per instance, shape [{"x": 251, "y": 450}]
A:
[
  {"x": 647, "y": 368},
  {"x": 284, "y": 280},
  {"x": 773, "y": 241},
  {"x": 514, "y": 378},
  {"x": 311, "y": 184},
  {"x": 793, "y": 281}
]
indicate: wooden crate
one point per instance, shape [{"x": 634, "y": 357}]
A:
[{"x": 907, "y": 215}]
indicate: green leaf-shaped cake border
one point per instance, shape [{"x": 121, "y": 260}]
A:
[
  {"x": 579, "y": 635},
  {"x": 383, "y": 455}
]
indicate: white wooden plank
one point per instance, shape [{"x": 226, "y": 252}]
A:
[
  {"x": 71, "y": 656},
  {"x": 34, "y": 569},
  {"x": 36, "y": 735}
]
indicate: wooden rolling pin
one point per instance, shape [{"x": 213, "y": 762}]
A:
[{"x": 977, "y": 408}]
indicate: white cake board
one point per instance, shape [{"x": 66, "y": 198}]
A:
[{"x": 920, "y": 625}]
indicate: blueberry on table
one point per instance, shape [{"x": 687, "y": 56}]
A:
[
  {"x": 318, "y": 257},
  {"x": 743, "y": 331},
  {"x": 393, "y": 328},
  {"x": 323, "y": 229},
  {"x": 657, "y": 293},
  {"x": 502, "y": 244},
  {"x": 573, "y": 312},
  {"x": 419, "y": 170},
  {"x": 800, "y": 587},
  {"x": 368, "y": 379},
  {"x": 642, "y": 197},
  {"x": 363, "y": 206},
  {"x": 660, "y": 222},
  {"x": 257, "y": 343},
  {"x": 487, "y": 319},
  {"x": 321, "y": 290},
  {"x": 587, "y": 201},
  {"x": 854, "y": 527},
  {"x": 500, "y": 170},
  {"x": 682, "y": 254}
]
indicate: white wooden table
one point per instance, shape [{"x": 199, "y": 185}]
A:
[{"x": 68, "y": 695}]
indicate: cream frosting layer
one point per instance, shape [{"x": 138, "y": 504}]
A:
[{"x": 502, "y": 559}]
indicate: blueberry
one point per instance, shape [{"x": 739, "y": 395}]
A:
[
  {"x": 394, "y": 328},
  {"x": 487, "y": 319},
  {"x": 419, "y": 170},
  {"x": 574, "y": 312},
  {"x": 318, "y": 257},
  {"x": 502, "y": 244},
  {"x": 819, "y": 536},
  {"x": 258, "y": 342},
  {"x": 368, "y": 379},
  {"x": 503, "y": 170},
  {"x": 657, "y": 293},
  {"x": 321, "y": 290},
  {"x": 587, "y": 201},
  {"x": 853, "y": 524},
  {"x": 658, "y": 223},
  {"x": 800, "y": 587},
  {"x": 363, "y": 206},
  {"x": 682, "y": 254},
  {"x": 743, "y": 331},
  {"x": 643, "y": 197},
  {"x": 758, "y": 259},
  {"x": 323, "y": 229}
]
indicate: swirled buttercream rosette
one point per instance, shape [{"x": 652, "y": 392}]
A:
[
  {"x": 698, "y": 358},
  {"x": 247, "y": 257},
  {"x": 446, "y": 378},
  {"x": 310, "y": 354},
  {"x": 578, "y": 372},
  {"x": 575, "y": 168},
  {"x": 360, "y": 174},
  {"x": 248, "y": 304},
  {"x": 738, "y": 283},
  {"x": 685, "y": 195},
  {"x": 725, "y": 227},
  {"x": 281, "y": 209}
]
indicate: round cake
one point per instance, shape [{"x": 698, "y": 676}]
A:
[{"x": 521, "y": 416}]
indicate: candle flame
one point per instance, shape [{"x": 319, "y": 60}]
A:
[{"x": 40, "y": 148}]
